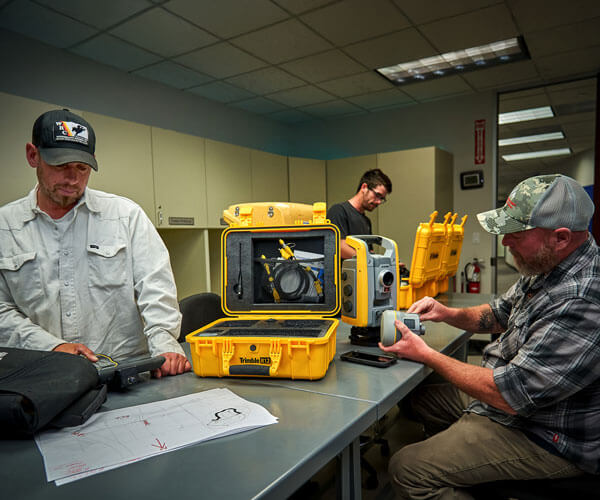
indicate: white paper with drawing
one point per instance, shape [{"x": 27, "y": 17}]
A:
[{"x": 118, "y": 437}]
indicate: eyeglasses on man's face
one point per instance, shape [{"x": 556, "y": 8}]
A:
[{"x": 379, "y": 196}]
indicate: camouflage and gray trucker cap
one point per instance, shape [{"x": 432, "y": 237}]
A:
[{"x": 547, "y": 201}]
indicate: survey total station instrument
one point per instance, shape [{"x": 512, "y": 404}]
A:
[{"x": 368, "y": 286}]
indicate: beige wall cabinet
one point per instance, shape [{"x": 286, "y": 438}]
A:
[
  {"x": 307, "y": 180},
  {"x": 228, "y": 178},
  {"x": 124, "y": 154},
  {"x": 269, "y": 176},
  {"x": 343, "y": 176},
  {"x": 422, "y": 182},
  {"x": 179, "y": 179},
  {"x": 19, "y": 114}
]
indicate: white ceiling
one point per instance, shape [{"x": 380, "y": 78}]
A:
[
  {"x": 297, "y": 60},
  {"x": 301, "y": 60}
]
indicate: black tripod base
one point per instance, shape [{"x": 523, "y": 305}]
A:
[{"x": 367, "y": 336}]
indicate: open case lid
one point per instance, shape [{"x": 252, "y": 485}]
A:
[{"x": 280, "y": 270}]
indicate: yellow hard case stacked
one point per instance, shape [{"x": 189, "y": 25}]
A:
[
  {"x": 280, "y": 291},
  {"x": 435, "y": 258}
]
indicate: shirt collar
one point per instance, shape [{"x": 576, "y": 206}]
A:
[
  {"x": 32, "y": 209},
  {"x": 573, "y": 263}
]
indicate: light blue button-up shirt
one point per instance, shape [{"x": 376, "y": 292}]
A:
[{"x": 100, "y": 276}]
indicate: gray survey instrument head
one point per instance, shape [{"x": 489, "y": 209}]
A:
[
  {"x": 389, "y": 334},
  {"x": 369, "y": 281}
]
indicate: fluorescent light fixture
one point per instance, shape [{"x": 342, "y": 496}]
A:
[
  {"x": 484, "y": 56},
  {"x": 525, "y": 139},
  {"x": 524, "y": 115},
  {"x": 537, "y": 154}
]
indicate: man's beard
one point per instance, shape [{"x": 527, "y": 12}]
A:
[{"x": 541, "y": 263}]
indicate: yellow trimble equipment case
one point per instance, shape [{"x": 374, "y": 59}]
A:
[
  {"x": 280, "y": 291},
  {"x": 435, "y": 258}
]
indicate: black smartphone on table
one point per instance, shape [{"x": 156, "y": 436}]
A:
[{"x": 366, "y": 358}]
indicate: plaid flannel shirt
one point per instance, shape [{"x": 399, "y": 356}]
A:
[{"x": 547, "y": 362}]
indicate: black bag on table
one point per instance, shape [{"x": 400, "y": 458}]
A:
[{"x": 45, "y": 388}]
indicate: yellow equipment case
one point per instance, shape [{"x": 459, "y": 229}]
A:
[{"x": 280, "y": 292}]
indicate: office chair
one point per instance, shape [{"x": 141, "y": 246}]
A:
[
  {"x": 586, "y": 486},
  {"x": 198, "y": 310}
]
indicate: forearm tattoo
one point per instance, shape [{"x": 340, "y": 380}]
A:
[{"x": 487, "y": 321}]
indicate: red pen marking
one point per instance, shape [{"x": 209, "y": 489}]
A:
[
  {"x": 160, "y": 446},
  {"x": 77, "y": 433},
  {"x": 146, "y": 422}
]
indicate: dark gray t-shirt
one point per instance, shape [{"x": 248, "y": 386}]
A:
[{"x": 348, "y": 220}]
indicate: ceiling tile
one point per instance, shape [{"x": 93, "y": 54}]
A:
[
  {"x": 221, "y": 60},
  {"x": 570, "y": 64},
  {"x": 403, "y": 46},
  {"x": 109, "y": 50},
  {"x": 172, "y": 74},
  {"x": 433, "y": 89},
  {"x": 301, "y": 96},
  {"x": 227, "y": 18},
  {"x": 469, "y": 30},
  {"x": 259, "y": 105},
  {"x": 36, "y": 21},
  {"x": 507, "y": 73},
  {"x": 300, "y": 6},
  {"x": 266, "y": 81},
  {"x": 282, "y": 42},
  {"x": 580, "y": 91},
  {"x": 384, "y": 98},
  {"x": 425, "y": 11},
  {"x": 354, "y": 20},
  {"x": 356, "y": 84},
  {"x": 291, "y": 116},
  {"x": 221, "y": 91},
  {"x": 522, "y": 99},
  {"x": 176, "y": 35},
  {"x": 100, "y": 14},
  {"x": 555, "y": 12},
  {"x": 564, "y": 38},
  {"x": 324, "y": 66},
  {"x": 332, "y": 108}
]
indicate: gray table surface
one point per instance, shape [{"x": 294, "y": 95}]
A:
[
  {"x": 317, "y": 421},
  {"x": 271, "y": 462}
]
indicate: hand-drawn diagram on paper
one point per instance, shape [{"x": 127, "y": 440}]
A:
[{"x": 115, "y": 438}]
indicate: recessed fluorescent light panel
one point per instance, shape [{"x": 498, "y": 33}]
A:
[
  {"x": 525, "y": 115},
  {"x": 525, "y": 139},
  {"x": 484, "y": 56},
  {"x": 537, "y": 154}
]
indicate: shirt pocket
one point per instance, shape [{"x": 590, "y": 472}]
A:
[
  {"x": 107, "y": 265},
  {"x": 23, "y": 277},
  {"x": 516, "y": 335}
]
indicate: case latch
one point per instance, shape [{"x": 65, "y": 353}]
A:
[
  {"x": 319, "y": 213},
  {"x": 227, "y": 354},
  {"x": 275, "y": 354}
]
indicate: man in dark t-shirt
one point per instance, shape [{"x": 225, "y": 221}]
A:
[{"x": 349, "y": 216}]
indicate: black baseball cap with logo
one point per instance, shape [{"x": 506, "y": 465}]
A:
[{"x": 64, "y": 137}]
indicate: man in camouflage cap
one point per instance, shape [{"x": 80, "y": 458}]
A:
[
  {"x": 547, "y": 201},
  {"x": 532, "y": 410}
]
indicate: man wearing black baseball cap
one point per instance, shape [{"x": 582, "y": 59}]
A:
[
  {"x": 83, "y": 271},
  {"x": 532, "y": 410}
]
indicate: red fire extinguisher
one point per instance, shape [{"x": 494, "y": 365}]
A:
[{"x": 473, "y": 276}]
